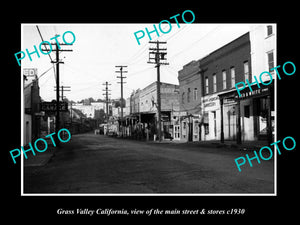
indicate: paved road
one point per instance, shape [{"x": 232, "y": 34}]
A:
[{"x": 98, "y": 164}]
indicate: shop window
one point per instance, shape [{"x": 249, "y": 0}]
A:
[
  {"x": 206, "y": 123},
  {"x": 206, "y": 128}
]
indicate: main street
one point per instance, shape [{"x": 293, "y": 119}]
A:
[{"x": 98, "y": 164}]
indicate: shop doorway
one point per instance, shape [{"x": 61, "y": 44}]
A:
[
  {"x": 230, "y": 122},
  {"x": 176, "y": 132}
]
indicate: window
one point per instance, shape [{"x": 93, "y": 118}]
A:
[
  {"x": 206, "y": 123},
  {"x": 214, "y": 83},
  {"x": 195, "y": 94},
  {"x": 182, "y": 98},
  {"x": 270, "y": 61},
  {"x": 188, "y": 95},
  {"x": 246, "y": 70},
  {"x": 224, "y": 79},
  {"x": 206, "y": 85},
  {"x": 232, "y": 73},
  {"x": 269, "y": 30}
]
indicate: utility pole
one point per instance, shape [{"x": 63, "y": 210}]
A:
[
  {"x": 62, "y": 89},
  {"x": 106, "y": 98},
  {"x": 159, "y": 57},
  {"x": 62, "y": 97},
  {"x": 122, "y": 82},
  {"x": 57, "y": 50}
]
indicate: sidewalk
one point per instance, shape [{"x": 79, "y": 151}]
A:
[
  {"x": 246, "y": 145},
  {"x": 40, "y": 158}
]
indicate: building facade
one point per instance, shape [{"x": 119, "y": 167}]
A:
[
  {"x": 143, "y": 119},
  {"x": 32, "y": 114},
  {"x": 221, "y": 70},
  {"x": 207, "y": 90},
  {"x": 190, "y": 83}
]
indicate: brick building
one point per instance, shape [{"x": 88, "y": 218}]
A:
[
  {"x": 210, "y": 106},
  {"x": 190, "y": 83},
  {"x": 220, "y": 71},
  {"x": 143, "y": 105}
]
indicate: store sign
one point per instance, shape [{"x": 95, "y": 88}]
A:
[
  {"x": 211, "y": 101},
  {"x": 229, "y": 101},
  {"x": 51, "y": 106},
  {"x": 31, "y": 72},
  {"x": 257, "y": 92}
]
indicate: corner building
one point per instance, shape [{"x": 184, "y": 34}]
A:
[
  {"x": 220, "y": 71},
  {"x": 210, "y": 107}
]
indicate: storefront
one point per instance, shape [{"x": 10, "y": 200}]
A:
[
  {"x": 248, "y": 117},
  {"x": 190, "y": 127},
  {"x": 211, "y": 118}
]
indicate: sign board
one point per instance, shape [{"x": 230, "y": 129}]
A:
[
  {"x": 30, "y": 71},
  {"x": 51, "y": 106}
]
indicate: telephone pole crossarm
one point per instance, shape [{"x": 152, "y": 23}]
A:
[
  {"x": 158, "y": 59},
  {"x": 121, "y": 82}
]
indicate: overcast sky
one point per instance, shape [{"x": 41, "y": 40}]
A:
[{"x": 98, "y": 48}]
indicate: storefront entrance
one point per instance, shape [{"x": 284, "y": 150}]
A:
[{"x": 176, "y": 132}]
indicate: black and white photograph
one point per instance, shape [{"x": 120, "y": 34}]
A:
[
  {"x": 146, "y": 111},
  {"x": 149, "y": 111}
]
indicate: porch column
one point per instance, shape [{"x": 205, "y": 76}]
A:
[
  {"x": 222, "y": 124},
  {"x": 238, "y": 123},
  {"x": 269, "y": 122}
]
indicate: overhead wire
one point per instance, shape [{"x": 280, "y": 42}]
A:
[
  {"x": 37, "y": 27},
  {"x": 195, "y": 42}
]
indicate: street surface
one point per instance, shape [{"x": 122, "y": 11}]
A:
[{"x": 98, "y": 164}]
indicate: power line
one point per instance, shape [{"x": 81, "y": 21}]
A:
[
  {"x": 193, "y": 44},
  {"x": 62, "y": 89},
  {"x": 58, "y": 61},
  {"x": 159, "y": 59},
  {"x": 121, "y": 77},
  {"x": 106, "y": 99},
  {"x": 37, "y": 27}
]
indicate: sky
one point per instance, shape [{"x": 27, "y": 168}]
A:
[{"x": 98, "y": 48}]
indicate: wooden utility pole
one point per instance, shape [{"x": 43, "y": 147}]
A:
[
  {"x": 122, "y": 82},
  {"x": 62, "y": 89},
  {"x": 57, "y": 50},
  {"x": 106, "y": 98},
  {"x": 159, "y": 57},
  {"x": 121, "y": 102}
]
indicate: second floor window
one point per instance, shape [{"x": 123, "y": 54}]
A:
[
  {"x": 246, "y": 70},
  {"x": 206, "y": 85},
  {"x": 224, "y": 79},
  {"x": 188, "y": 95},
  {"x": 195, "y": 94},
  {"x": 214, "y": 83},
  {"x": 232, "y": 74},
  {"x": 270, "y": 61},
  {"x": 269, "y": 30}
]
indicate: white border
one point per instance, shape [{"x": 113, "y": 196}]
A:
[{"x": 142, "y": 194}]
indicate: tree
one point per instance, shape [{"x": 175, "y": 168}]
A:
[
  {"x": 100, "y": 115},
  {"x": 119, "y": 102}
]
